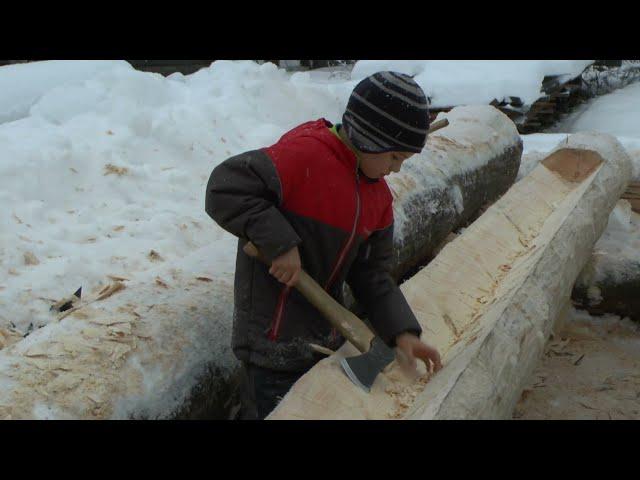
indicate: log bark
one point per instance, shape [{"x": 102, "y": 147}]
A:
[
  {"x": 611, "y": 295},
  {"x": 161, "y": 349},
  {"x": 462, "y": 168},
  {"x": 610, "y": 281},
  {"x": 490, "y": 299}
]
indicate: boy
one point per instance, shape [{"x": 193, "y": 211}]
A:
[{"x": 318, "y": 199}]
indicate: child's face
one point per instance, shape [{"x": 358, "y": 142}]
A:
[{"x": 378, "y": 165}]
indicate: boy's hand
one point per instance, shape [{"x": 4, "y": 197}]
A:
[
  {"x": 286, "y": 268},
  {"x": 411, "y": 347}
]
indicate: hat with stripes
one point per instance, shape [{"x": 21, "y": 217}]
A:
[{"x": 387, "y": 112}]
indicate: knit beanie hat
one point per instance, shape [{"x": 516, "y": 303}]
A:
[{"x": 387, "y": 112}]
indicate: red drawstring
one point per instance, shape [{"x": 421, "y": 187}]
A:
[{"x": 277, "y": 321}]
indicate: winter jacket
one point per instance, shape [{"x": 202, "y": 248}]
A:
[{"x": 306, "y": 191}]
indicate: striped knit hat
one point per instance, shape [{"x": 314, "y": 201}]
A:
[{"x": 387, "y": 112}]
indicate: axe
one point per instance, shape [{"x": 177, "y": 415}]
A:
[{"x": 376, "y": 355}]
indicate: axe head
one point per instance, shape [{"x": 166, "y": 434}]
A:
[{"x": 363, "y": 369}]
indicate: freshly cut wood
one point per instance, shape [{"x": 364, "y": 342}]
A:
[
  {"x": 489, "y": 300},
  {"x": 161, "y": 347}
]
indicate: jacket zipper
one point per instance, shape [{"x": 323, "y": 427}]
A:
[
  {"x": 347, "y": 246},
  {"x": 274, "y": 331}
]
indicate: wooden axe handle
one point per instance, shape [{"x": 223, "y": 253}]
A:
[
  {"x": 348, "y": 324},
  {"x": 438, "y": 125}
]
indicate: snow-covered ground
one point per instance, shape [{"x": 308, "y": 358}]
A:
[
  {"x": 105, "y": 168},
  {"x": 590, "y": 370}
]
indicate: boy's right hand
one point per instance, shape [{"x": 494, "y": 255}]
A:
[{"x": 286, "y": 268}]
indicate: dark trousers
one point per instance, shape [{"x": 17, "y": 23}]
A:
[{"x": 262, "y": 389}]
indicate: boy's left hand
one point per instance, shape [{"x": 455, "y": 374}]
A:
[{"x": 411, "y": 348}]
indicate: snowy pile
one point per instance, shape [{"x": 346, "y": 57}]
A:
[
  {"x": 617, "y": 252},
  {"x": 464, "y": 82},
  {"x": 22, "y": 85},
  {"x": 105, "y": 173}
]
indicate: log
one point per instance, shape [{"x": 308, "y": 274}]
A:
[
  {"x": 161, "y": 347},
  {"x": 490, "y": 299},
  {"x": 463, "y": 167},
  {"x": 610, "y": 281}
]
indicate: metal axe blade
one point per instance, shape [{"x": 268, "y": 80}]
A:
[{"x": 363, "y": 369}]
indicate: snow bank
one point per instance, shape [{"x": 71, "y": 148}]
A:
[
  {"x": 616, "y": 255},
  {"x": 21, "y": 85},
  {"x": 104, "y": 170},
  {"x": 464, "y": 82}
]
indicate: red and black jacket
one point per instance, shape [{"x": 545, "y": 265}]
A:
[{"x": 306, "y": 191}]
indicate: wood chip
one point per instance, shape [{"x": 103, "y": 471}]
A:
[
  {"x": 116, "y": 278},
  {"x": 110, "y": 169},
  {"x": 155, "y": 256},
  {"x": 110, "y": 290},
  {"x": 204, "y": 279},
  {"x": 30, "y": 259},
  {"x": 450, "y": 324},
  {"x": 118, "y": 228},
  {"x": 161, "y": 283}
]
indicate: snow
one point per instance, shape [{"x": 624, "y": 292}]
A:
[
  {"x": 617, "y": 252},
  {"x": 616, "y": 113},
  {"x": 21, "y": 85},
  {"x": 103, "y": 170},
  {"x": 464, "y": 82},
  {"x": 589, "y": 371}
]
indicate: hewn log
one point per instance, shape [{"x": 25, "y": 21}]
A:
[
  {"x": 162, "y": 349},
  {"x": 490, "y": 298}
]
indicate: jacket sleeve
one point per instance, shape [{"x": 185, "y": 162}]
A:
[
  {"x": 243, "y": 195},
  {"x": 370, "y": 280}
]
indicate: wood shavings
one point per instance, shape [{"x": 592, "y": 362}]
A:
[
  {"x": 8, "y": 337},
  {"x": 155, "y": 256},
  {"x": 110, "y": 290},
  {"x": 110, "y": 169},
  {"x": 404, "y": 397},
  {"x": 117, "y": 278},
  {"x": 450, "y": 324}
]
